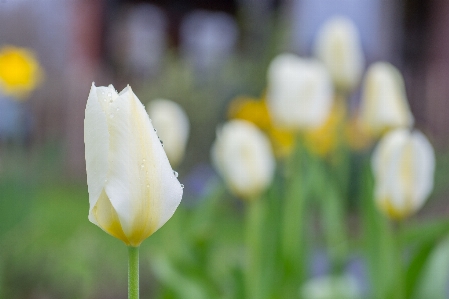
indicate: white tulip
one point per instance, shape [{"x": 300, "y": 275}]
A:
[
  {"x": 403, "y": 164},
  {"x": 338, "y": 46},
  {"x": 132, "y": 188},
  {"x": 384, "y": 103},
  {"x": 299, "y": 92},
  {"x": 172, "y": 126},
  {"x": 243, "y": 156}
]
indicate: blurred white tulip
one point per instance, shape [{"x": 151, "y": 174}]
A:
[
  {"x": 331, "y": 287},
  {"x": 403, "y": 164},
  {"x": 384, "y": 103},
  {"x": 339, "y": 47},
  {"x": 299, "y": 92},
  {"x": 172, "y": 125},
  {"x": 243, "y": 156},
  {"x": 132, "y": 188}
]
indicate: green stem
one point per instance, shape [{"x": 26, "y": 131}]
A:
[
  {"x": 293, "y": 230},
  {"x": 400, "y": 266},
  {"x": 133, "y": 272},
  {"x": 255, "y": 219}
]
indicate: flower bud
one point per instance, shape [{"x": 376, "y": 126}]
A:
[
  {"x": 403, "y": 164},
  {"x": 338, "y": 46},
  {"x": 384, "y": 103},
  {"x": 132, "y": 188},
  {"x": 172, "y": 125},
  {"x": 242, "y": 155},
  {"x": 299, "y": 92}
]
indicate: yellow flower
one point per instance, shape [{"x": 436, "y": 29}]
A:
[
  {"x": 256, "y": 111},
  {"x": 132, "y": 188},
  {"x": 357, "y": 137},
  {"x": 324, "y": 139},
  {"x": 20, "y": 72}
]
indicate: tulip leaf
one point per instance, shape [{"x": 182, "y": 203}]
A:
[{"x": 433, "y": 283}]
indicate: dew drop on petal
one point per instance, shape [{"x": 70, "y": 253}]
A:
[
  {"x": 142, "y": 165},
  {"x": 109, "y": 94},
  {"x": 111, "y": 115},
  {"x": 182, "y": 186},
  {"x": 175, "y": 173},
  {"x": 155, "y": 130}
]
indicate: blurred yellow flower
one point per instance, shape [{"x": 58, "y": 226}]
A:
[
  {"x": 324, "y": 139},
  {"x": 256, "y": 111},
  {"x": 20, "y": 72},
  {"x": 356, "y": 136}
]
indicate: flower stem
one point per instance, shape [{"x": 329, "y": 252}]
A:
[
  {"x": 254, "y": 243},
  {"x": 133, "y": 272}
]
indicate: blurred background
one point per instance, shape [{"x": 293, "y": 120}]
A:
[{"x": 201, "y": 54}]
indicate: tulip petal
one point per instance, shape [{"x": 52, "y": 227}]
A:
[
  {"x": 424, "y": 163},
  {"x": 107, "y": 218},
  {"x": 141, "y": 185},
  {"x": 96, "y": 142}
]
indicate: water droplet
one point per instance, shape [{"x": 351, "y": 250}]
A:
[
  {"x": 117, "y": 109},
  {"x": 111, "y": 101},
  {"x": 109, "y": 94},
  {"x": 161, "y": 142},
  {"x": 102, "y": 92},
  {"x": 104, "y": 100},
  {"x": 175, "y": 173},
  {"x": 144, "y": 160},
  {"x": 142, "y": 165},
  {"x": 155, "y": 130},
  {"x": 111, "y": 115},
  {"x": 182, "y": 186},
  {"x": 148, "y": 185},
  {"x": 106, "y": 180}
]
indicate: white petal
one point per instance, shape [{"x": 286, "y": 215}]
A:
[
  {"x": 338, "y": 46},
  {"x": 96, "y": 141},
  {"x": 141, "y": 187},
  {"x": 243, "y": 156},
  {"x": 424, "y": 165},
  {"x": 384, "y": 102},
  {"x": 299, "y": 92},
  {"x": 172, "y": 126}
]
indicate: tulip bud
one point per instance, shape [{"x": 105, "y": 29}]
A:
[
  {"x": 172, "y": 126},
  {"x": 338, "y": 46},
  {"x": 299, "y": 92},
  {"x": 132, "y": 188},
  {"x": 384, "y": 103},
  {"x": 403, "y": 164},
  {"x": 242, "y": 155}
]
